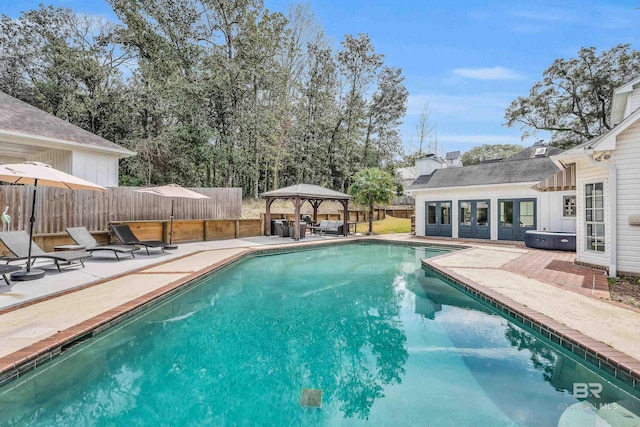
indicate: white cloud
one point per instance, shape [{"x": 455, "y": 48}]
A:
[
  {"x": 551, "y": 15},
  {"x": 495, "y": 73},
  {"x": 488, "y": 106},
  {"x": 595, "y": 15},
  {"x": 463, "y": 121}
]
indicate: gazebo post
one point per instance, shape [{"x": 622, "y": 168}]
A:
[
  {"x": 345, "y": 222},
  {"x": 267, "y": 217},
  {"x": 316, "y": 205},
  {"x": 296, "y": 221}
]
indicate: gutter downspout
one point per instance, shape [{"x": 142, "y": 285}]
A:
[{"x": 613, "y": 211}]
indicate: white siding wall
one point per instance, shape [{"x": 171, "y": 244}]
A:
[
  {"x": 99, "y": 168},
  {"x": 551, "y": 212},
  {"x": 587, "y": 173},
  {"x": 548, "y": 205},
  {"x": 59, "y": 159},
  {"x": 633, "y": 103},
  {"x": 627, "y": 159}
]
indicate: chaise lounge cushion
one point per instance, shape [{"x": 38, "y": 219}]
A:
[
  {"x": 334, "y": 227},
  {"x": 81, "y": 236},
  {"x": 125, "y": 235},
  {"x": 18, "y": 243}
]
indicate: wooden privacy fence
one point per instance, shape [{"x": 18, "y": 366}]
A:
[
  {"x": 194, "y": 230},
  {"x": 403, "y": 201},
  {"x": 400, "y": 213},
  {"x": 57, "y": 208}
]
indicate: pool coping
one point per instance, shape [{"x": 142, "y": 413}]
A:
[
  {"x": 596, "y": 353},
  {"x": 16, "y": 364},
  {"x": 602, "y": 356}
]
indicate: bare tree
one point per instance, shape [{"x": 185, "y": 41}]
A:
[{"x": 425, "y": 130}]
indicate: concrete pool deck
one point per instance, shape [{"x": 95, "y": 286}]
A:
[{"x": 39, "y": 319}]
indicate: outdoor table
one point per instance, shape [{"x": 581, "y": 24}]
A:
[
  {"x": 355, "y": 227},
  {"x": 315, "y": 229}
]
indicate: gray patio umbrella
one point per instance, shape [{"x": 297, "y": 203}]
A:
[
  {"x": 36, "y": 173},
  {"x": 173, "y": 191}
]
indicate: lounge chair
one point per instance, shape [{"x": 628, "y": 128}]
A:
[
  {"x": 6, "y": 269},
  {"x": 329, "y": 227},
  {"x": 18, "y": 244},
  {"x": 81, "y": 236},
  {"x": 320, "y": 228},
  {"x": 126, "y": 236},
  {"x": 335, "y": 227}
]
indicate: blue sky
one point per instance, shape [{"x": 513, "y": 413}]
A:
[{"x": 467, "y": 59}]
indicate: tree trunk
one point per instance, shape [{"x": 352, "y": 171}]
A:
[{"x": 370, "y": 219}]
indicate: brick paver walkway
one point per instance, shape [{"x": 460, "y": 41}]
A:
[{"x": 557, "y": 268}]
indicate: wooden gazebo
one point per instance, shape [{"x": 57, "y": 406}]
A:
[{"x": 298, "y": 194}]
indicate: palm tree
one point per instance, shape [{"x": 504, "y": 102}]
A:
[{"x": 371, "y": 186}]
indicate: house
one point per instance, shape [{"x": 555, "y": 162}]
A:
[
  {"x": 406, "y": 175},
  {"x": 608, "y": 189},
  {"x": 497, "y": 200},
  {"x": 453, "y": 159},
  {"x": 28, "y": 133}
]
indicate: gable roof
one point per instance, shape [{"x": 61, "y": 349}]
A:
[
  {"x": 619, "y": 101},
  {"x": 19, "y": 120},
  {"x": 606, "y": 141},
  {"x": 508, "y": 171},
  {"x": 308, "y": 191}
]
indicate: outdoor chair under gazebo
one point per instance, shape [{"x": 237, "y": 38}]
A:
[{"x": 299, "y": 194}]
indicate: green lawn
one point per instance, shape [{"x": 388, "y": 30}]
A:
[{"x": 387, "y": 226}]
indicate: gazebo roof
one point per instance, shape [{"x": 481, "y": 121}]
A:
[{"x": 307, "y": 191}]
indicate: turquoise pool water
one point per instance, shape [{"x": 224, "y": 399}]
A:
[{"x": 387, "y": 342}]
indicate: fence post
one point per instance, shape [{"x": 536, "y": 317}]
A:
[{"x": 165, "y": 231}]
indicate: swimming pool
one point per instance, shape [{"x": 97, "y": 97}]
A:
[{"x": 387, "y": 343}]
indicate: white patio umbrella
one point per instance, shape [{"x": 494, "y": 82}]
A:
[
  {"x": 173, "y": 191},
  {"x": 36, "y": 173}
]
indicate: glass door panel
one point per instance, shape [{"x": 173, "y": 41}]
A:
[
  {"x": 465, "y": 213},
  {"x": 506, "y": 213},
  {"x": 482, "y": 213},
  {"x": 527, "y": 213}
]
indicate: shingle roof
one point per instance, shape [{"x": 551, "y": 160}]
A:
[
  {"x": 20, "y": 117},
  {"x": 502, "y": 172},
  {"x": 530, "y": 152},
  {"x": 308, "y": 191}
]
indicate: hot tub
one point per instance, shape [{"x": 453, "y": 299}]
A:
[{"x": 554, "y": 240}]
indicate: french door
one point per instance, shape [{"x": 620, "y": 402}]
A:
[
  {"x": 516, "y": 217},
  {"x": 438, "y": 218},
  {"x": 474, "y": 219}
]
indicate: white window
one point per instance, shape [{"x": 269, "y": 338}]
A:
[
  {"x": 540, "y": 151},
  {"x": 569, "y": 206},
  {"x": 594, "y": 216}
]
